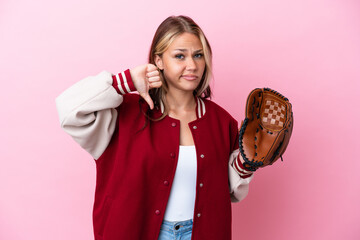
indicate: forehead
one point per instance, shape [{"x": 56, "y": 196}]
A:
[{"x": 186, "y": 41}]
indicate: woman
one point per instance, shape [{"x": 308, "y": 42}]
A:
[{"x": 167, "y": 158}]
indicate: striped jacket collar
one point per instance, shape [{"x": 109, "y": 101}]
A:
[{"x": 200, "y": 107}]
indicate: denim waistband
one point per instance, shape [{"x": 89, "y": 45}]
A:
[{"x": 174, "y": 226}]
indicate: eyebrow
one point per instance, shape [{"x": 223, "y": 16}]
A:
[{"x": 185, "y": 50}]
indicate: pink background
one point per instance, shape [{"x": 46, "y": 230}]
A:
[{"x": 306, "y": 49}]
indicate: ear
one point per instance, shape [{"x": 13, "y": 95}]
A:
[{"x": 159, "y": 62}]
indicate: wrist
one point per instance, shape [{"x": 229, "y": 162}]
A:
[
  {"x": 240, "y": 168},
  {"x": 123, "y": 83}
]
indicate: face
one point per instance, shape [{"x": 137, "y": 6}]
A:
[{"x": 183, "y": 63}]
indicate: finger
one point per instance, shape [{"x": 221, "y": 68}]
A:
[
  {"x": 153, "y": 74},
  {"x": 155, "y": 85},
  {"x": 148, "y": 99},
  {"x": 151, "y": 68},
  {"x": 154, "y": 79}
]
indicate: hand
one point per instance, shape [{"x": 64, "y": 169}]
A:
[{"x": 146, "y": 77}]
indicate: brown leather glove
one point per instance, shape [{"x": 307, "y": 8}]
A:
[{"x": 266, "y": 130}]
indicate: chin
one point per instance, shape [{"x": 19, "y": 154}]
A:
[{"x": 190, "y": 87}]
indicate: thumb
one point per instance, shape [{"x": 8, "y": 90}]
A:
[{"x": 148, "y": 99}]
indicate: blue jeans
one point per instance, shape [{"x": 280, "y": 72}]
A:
[{"x": 176, "y": 230}]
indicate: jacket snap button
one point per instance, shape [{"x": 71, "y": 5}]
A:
[
  {"x": 157, "y": 212},
  {"x": 202, "y": 156},
  {"x": 198, "y": 214},
  {"x": 194, "y": 127},
  {"x": 173, "y": 124},
  {"x": 201, "y": 184},
  {"x": 172, "y": 155},
  {"x": 166, "y": 183}
]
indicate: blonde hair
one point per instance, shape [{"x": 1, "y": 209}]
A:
[{"x": 166, "y": 33}]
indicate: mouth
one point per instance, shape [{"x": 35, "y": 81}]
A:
[{"x": 190, "y": 77}]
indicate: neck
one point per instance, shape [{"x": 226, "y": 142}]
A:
[{"x": 183, "y": 101}]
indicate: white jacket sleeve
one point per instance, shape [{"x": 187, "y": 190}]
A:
[
  {"x": 238, "y": 180},
  {"x": 87, "y": 109}
]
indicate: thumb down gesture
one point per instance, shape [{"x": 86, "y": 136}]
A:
[{"x": 146, "y": 77}]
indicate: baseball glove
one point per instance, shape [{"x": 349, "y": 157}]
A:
[{"x": 266, "y": 130}]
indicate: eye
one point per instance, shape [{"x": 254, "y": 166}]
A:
[
  {"x": 199, "y": 55},
  {"x": 179, "y": 56}
]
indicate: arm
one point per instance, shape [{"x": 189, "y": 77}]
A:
[
  {"x": 239, "y": 178},
  {"x": 87, "y": 109}
]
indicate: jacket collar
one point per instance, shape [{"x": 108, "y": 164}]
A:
[{"x": 200, "y": 107}]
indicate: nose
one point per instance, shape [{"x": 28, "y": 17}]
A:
[{"x": 191, "y": 64}]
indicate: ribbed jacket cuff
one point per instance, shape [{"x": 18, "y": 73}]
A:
[
  {"x": 239, "y": 167},
  {"x": 123, "y": 83}
]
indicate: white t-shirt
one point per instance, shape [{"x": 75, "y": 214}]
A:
[{"x": 181, "y": 202}]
